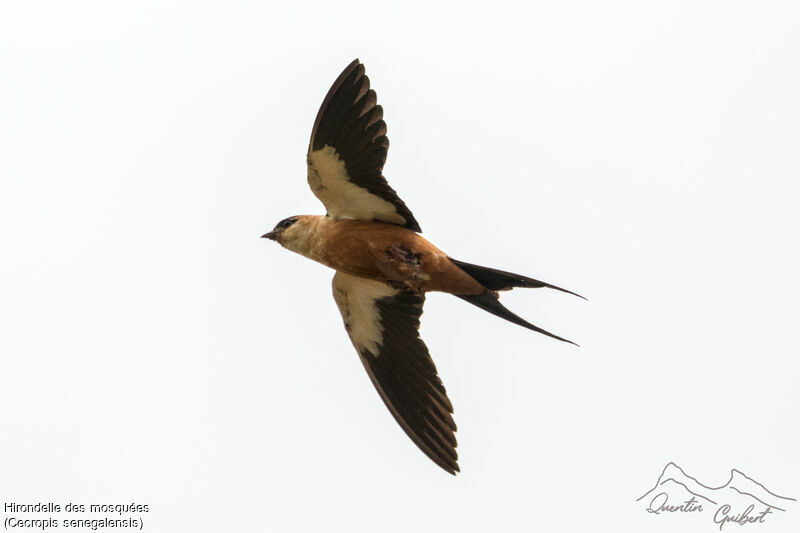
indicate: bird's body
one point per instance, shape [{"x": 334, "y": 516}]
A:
[
  {"x": 383, "y": 266},
  {"x": 379, "y": 251}
]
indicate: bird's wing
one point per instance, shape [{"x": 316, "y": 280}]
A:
[
  {"x": 346, "y": 154},
  {"x": 383, "y": 324}
]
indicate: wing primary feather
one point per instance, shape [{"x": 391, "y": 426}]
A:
[{"x": 422, "y": 430}]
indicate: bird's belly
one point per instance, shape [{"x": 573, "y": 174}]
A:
[{"x": 402, "y": 258}]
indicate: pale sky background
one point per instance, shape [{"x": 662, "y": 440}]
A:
[{"x": 155, "y": 350}]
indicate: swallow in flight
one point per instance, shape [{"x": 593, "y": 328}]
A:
[{"x": 383, "y": 266}]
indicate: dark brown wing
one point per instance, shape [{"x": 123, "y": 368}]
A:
[
  {"x": 383, "y": 324},
  {"x": 347, "y": 151}
]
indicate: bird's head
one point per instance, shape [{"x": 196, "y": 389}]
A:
[
  {"x": 295, "y": 233},
  {"x": 282, "y": 231}
]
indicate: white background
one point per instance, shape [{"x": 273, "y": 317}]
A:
[{"x": 155, "y": 350}]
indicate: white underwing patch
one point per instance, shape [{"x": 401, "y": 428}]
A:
[
  {"x": 328, "y": 178},
  {"x": 357, "y": 301}
]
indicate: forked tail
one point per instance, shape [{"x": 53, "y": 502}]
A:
[
  {"x": 488, "y": 301},
  {"x": 498, "y": 280}
]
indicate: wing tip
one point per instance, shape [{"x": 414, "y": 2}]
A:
[
  {"x": 442, "y": 458},
  {"x": 348, "y": 70},
  {"x": 452, "y": 470}
]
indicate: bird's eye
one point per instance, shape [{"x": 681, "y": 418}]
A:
[{"x": 288, "y": 222}]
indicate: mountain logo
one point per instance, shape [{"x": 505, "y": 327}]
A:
[{"x": 742, "y": 500}]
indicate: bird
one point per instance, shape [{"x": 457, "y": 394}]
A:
[{"x": 384, "y": 267}]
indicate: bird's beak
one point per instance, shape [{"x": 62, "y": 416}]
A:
[{"x": 271, "y": 235}]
